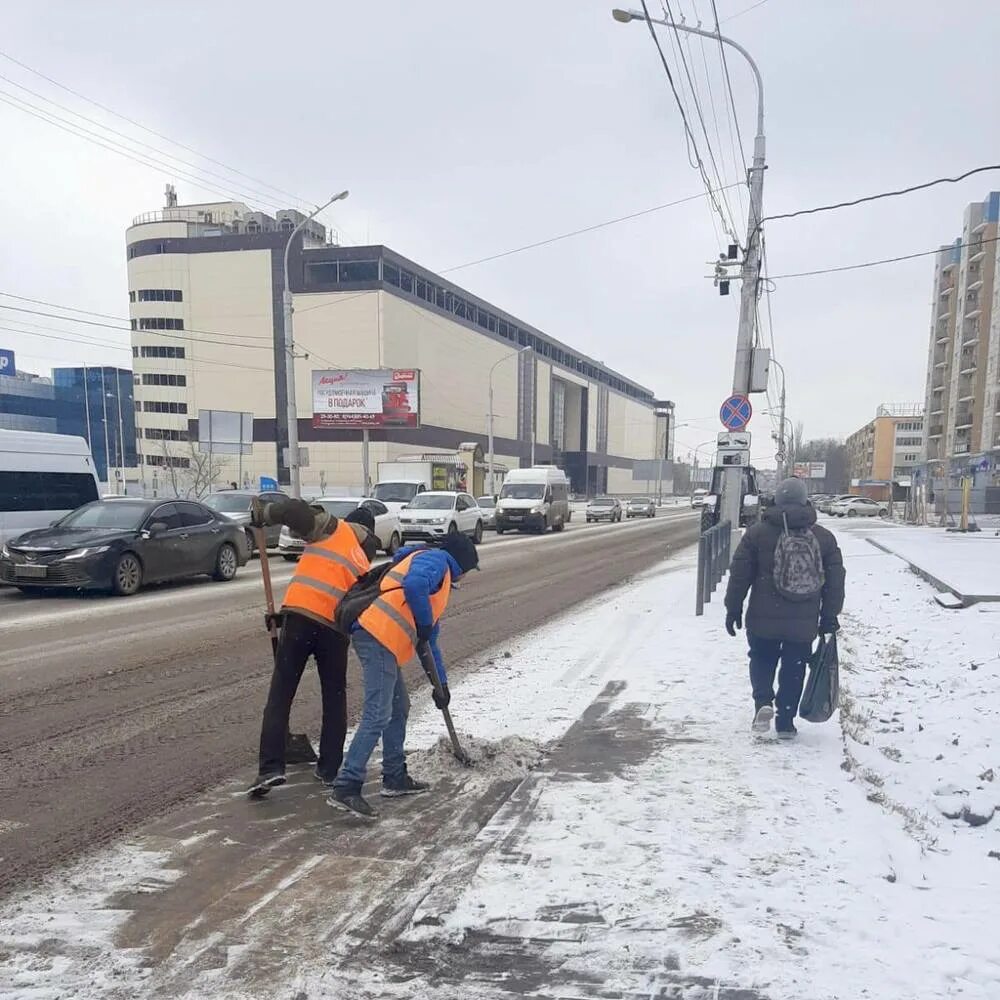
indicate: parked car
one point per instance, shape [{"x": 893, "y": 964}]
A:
[
  {"x": 235, "y": 505},
  {"x": 859, "y": 507},
  {"x": 387, "y": 526},
  {"x": 440, "y": 512},
  {"x": 824, "y": 505},
  {"x": 604, "y": 509},
  {"x": 640, "y": 507},
  {"x": 120, "y": 545},
  {"x": 489, "y": 508}
]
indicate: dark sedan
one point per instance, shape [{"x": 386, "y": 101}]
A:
[{"x": 119, "y": 545}]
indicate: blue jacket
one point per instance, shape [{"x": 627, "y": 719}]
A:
[{"x": 423, "y": 578}]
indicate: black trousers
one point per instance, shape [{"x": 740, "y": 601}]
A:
[
  {"x": 764, "y": 657},
  {"x": 301, "y": 637}
]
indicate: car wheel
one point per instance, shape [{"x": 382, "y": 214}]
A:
[
  {"x": 852, "y": 513},
  {"x": 127, "y": 577},
  {"x": 477, "y": 535},
  {"x": 559, "y": 526},
  {"x": 453, "y": 528},
  {"x": 290, "y": 558},
  {"x": 251, "y": 542},
  {"x": 393, "y": 545},
  {"x": 500, "y": 531},
  {"x": 226, "y": 563}
]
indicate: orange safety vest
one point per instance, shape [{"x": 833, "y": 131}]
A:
[
  {"x": 326, "y": 571},
  {"x": 389, "y": 618}
]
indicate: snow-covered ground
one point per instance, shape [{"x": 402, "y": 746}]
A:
[{"x": 655, "y": 851}]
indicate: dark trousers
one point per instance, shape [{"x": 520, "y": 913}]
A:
[
  {"x": 764, "y": 657},
  {"x": 301, "y": 637}
]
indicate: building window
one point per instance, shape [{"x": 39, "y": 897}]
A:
[
  {"x": 134, "y": 323},
  {"x": 155, "y": 378},
  {"x": 172, "y": 460},
  {"x": 135, "y": 352},
  {"x": 131, "y": 296},
  {"x": 161, "y": 406},
  {"x": 160, "y": 323},
  {"x": 287, "y": 225},
  {"x": 160, "y": 295},
  {"x": 164, "y": 434},
  {"x": 157, "y": 351}
]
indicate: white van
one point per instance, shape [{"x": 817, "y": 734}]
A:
[
  {"x": 42, "y": 478},
  {"x": 533, "y": 499}
]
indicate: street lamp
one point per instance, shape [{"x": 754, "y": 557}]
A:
[
  {"x": 289, "y": 342},
  {"x": 781, "y": 407},
  {"x": 513, "y": 354}
]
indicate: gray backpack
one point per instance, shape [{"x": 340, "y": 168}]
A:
[{"x": 798, "y": 564}]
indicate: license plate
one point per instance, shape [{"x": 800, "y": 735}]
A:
[
  {"x": 514, "y": 517},
  {"x": 34, "y": 572}
]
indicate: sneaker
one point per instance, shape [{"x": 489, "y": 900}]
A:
[
  {"x": 404, "y": 786},
  {"x": 786, "y": 731},
  {"x": 762, "y": 720},
  {"x": 352, "y": 802},
  {"x": 325, "y": 779},
  {"x": 264, "y": 783}
]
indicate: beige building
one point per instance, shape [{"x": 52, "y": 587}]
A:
[
  {"x": 963, "y": 362},
  {"x": 205, "y": 286},
  {"x": 887, "y": 451}
]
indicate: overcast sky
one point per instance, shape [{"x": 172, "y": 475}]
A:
[{"x": 465, "y": 129}]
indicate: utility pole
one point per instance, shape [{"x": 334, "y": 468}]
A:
[
  {"x": 732, "y": 481},
  {"x": 489, "y": 426},
  {"x": 292, "y": 411},
  {"x": 781, "y": 430},
  {"x": 121, "y": 427}
]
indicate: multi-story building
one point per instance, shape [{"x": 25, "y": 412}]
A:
[
  {"x": 92, "y": 403},
  {"x": 884, "y": 454},
  {"x": 963, "y": 366},
  {"x": 205, "y": 295}
]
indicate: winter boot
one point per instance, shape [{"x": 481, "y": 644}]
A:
[
  {"x": 762, "y": 719},
  {"x": 264, "y": 783},
  {"x": 403, "y": 786}
]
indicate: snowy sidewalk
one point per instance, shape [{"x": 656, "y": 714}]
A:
[{"x": 656, "y": 851}]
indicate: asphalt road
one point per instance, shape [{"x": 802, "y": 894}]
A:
[{"x": 115, "y": 710}]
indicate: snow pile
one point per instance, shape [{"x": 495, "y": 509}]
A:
[{"x": 500, "y": 760}]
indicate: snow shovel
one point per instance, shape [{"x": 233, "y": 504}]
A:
[
  {"x": 298, "y": 748},
  {"x": 430, "y": 668}
]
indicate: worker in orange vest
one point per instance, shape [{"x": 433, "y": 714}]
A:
[
  {"x": 336, "y": 554},
  {"x": 405, "y": 610}
]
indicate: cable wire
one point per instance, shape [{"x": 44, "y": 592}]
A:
[
  {"x": 746, "y": 10},
  {"x": 729, "y": 84}
]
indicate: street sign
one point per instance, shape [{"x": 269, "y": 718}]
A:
[
  {"x": 734, "y": 439},
  {"x": 7, "y": 366},
  {"x": 983, "y": 465},
  {"x": 736, "y": 413}
]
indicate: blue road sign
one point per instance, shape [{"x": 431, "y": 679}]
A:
[
  {"x": 267, "y": 483},
  {"x": 7, "y": 363},
  {"x": 983, "y": 465},
  {"x": 736, "y": 413}
]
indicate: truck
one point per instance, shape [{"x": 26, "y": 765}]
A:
[
  {"x": 749, "y": 498},
  {"x": 399, "y": 482}
]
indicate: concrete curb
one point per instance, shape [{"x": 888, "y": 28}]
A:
[{"x": 966, "y": 599}]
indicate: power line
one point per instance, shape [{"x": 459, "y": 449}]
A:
[
  {"x": 260, "y": 196},
  {"x": 881, "y": 195},
  {"x": 680, "y": 108},
  {"x": 146, "y": 128},
  {"x": 740, "y": 13},
  {"x": 884, "y": 260},
  {"x": 729, "y": 83}
]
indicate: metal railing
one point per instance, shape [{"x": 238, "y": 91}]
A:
[{"x": 713, "y": 561}]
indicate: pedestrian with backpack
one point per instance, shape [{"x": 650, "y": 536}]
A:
[{"x": 794, "y": 573}]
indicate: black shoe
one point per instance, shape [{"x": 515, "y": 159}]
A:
[
  {"x": 762, "y": 719},
  {"x": 264, "y": 783},
  {"x": 352, "y": 802},
  {"x": 404, "y": 786},
  {"x": 325, "y": 779},
  {"x": 786, "y": 730},
  {"x": 298, "y": 749}
]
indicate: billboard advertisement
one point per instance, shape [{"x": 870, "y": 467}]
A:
[
  {"x": 7, "y": 363},
  {"x": 810, "y": 470},
  {"x": 360, "y": 398}
]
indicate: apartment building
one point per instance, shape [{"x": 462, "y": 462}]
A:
[
  {"x": 963, "y": 361},
  {"x": 205, "y": 300},
  {"x": 885, "y": 454}
]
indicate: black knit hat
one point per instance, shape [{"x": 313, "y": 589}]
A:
[
  {"x": 362, "y": 516},
  {"x": 462, "y": 550}
]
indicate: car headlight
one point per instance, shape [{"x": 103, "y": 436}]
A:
[
  {"x": 95, "y": 550},
  {"x": 438, "y": 520},
  {"x": 4, "y": 551}
]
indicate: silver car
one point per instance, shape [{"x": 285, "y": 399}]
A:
[
  {"x": 387, "y": 527},
  {"x": 489, "y": 508},
  {"x": 235, "y": 506},
  {"x": 640, "y": 507}
]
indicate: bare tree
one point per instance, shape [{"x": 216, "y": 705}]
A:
[{"x": 191, "y": 472}]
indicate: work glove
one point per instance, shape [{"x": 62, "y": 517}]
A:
[
  {"x": 829, "y": 625},
  {"x": 424, "y": 633},
  {"x": 258, "y": 513},
  {"x": 734, "y": 621},
  {"x": 442, "y": 700}
]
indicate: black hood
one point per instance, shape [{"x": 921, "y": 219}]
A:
[
  {"x": 798, "y": 516},
  {"x": 68, "y": 538}
]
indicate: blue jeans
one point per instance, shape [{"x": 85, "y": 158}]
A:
[
  {"x": 764, "y": 657},
  {"x": 383, "y": 716}
]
